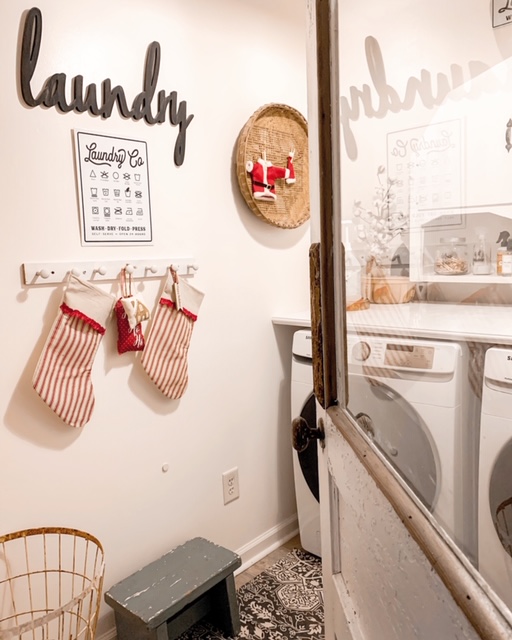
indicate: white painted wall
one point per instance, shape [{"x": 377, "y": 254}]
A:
[{"x": 226, "y": 59}]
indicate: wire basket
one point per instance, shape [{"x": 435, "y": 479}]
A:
[{"x": 51, "y": 581}]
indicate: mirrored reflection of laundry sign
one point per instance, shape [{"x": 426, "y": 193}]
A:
[
  {"x": 95, "y": 211},
  {"x": 105, "y": 192},
  {"x": 138, "y": 194},
  {"x": 139, "y": 212},
  {"x": 126, "y": 176},
  {"x": 129, "y": 211},
  {"x": 104, "y": 174},
  {"x": 127, "y": 192},
  {"x": 106, "y": 212},
  {"x": 118, "y": 211},
  {"x": 137, "y": 177},
  {"x": 94, "y": 192},
  {"x": 117, "y": 193}
]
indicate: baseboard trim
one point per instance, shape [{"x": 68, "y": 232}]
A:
[
  {"x": 251, "y": 552},
  {"x": 269, "y": 541}
]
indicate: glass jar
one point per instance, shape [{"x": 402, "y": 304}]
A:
[
  {"x": 451, "y": 257},
  {"x": 481, "y": 257}
]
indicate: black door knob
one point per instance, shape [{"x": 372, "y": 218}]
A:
[{"x": 303, "y": 434}]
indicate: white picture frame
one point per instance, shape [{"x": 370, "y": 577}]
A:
[
  {"x": 113, "y": 190},
  {"x": 501, "y": 12}
]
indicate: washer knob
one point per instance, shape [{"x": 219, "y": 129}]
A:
[{"x": 361, "y": 351}]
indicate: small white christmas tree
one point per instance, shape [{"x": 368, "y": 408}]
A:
[{"x": 382, "y": 223}]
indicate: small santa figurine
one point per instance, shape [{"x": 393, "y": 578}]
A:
[{"x": 264, "y": 176}]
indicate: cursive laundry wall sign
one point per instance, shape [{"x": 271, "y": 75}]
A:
[{"x": 53, "y": 92}]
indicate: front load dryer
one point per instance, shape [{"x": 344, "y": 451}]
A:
[
  {"x": 305, "y": 463},
  {"x": 411, "y": 398},
  {"x": 495, "y": 474}
]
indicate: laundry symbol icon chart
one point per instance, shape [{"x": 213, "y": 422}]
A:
[
  {"x": 113, "y": 190},
  {"x": 502, "y": 12}
]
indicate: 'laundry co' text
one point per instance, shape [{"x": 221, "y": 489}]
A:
[{"x": 53, "y": 93}]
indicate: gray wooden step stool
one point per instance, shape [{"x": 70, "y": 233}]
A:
[{"x": 164, "y": 599}]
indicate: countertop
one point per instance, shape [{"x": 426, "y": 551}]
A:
[{"x": 441, "y": 321}]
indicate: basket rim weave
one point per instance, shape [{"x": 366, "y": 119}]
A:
[
  {"x": 293, "y": 210},
  {"x": 23, "y": 533}
]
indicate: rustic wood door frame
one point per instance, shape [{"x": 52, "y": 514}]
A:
[{"x": 329, "y": 351}]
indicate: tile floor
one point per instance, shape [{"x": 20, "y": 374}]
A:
[{"x": 267, "y": 561}]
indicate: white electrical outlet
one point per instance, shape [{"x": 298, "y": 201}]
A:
[{"x": 230, "y": 486}]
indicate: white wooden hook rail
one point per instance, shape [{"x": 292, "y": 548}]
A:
[{"x": 35, "y": 273}]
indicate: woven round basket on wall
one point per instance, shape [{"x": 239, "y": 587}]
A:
[{"x": 272, "y": 132}]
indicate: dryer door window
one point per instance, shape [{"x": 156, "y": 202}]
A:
[
  {"x": 500, "y": 497},
  {"x": 399, "y": 432}
]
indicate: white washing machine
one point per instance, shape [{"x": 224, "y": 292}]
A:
[
  {"x": 412, "y": 398},
  {"x": 495, "y": 474}
]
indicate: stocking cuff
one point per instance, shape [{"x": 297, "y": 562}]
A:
[
  {"x": 191, "y": 298},
  {"x": 88, "y": 302}
]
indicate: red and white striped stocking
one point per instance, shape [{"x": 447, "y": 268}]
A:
[
  {"x": 63, "y": 374},
  {"x": 165, "y": 355}
]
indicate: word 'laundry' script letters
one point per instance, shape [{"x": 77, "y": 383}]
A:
[
  {"x": 379, "y": 100},
  {"x": 53, "y": 93}
]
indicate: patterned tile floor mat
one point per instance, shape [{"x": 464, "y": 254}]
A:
[{"x": 284, "y": 602}]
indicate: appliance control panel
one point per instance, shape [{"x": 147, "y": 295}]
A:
[
  {"x": 382, "y": 352},
  {"x": 393, "y": 354},
  {"x": 401, "y": 354},
  {"x": 302, "y": 344}
]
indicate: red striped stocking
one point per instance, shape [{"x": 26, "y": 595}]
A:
[
  {"x": 63, "y": 374},
  {"x": 165, "y": 355}
]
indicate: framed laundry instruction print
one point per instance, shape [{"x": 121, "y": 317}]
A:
[
  {"x": 113, "y": 190},
  {"x": 426, "y": 165}
]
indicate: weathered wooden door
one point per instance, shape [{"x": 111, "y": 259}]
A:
[{"x": 389, "y": 570}]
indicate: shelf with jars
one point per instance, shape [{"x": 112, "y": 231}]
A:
[{"x": 462, "y": 245}]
